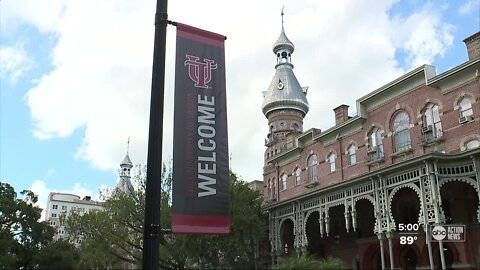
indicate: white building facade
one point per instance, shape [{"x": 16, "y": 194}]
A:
[{"x": 59, "y": 205}]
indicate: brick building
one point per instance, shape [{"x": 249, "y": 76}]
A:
[{"x": 410, "y": 156}]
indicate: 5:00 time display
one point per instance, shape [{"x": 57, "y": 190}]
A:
[{"x": 408, "y": 227}]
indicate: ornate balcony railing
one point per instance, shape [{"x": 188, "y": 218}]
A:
[
  {"x": 374, "y": 154},
  {"x": 270, "y": 140},
  {"x": 430, "y": 136},
  {"x": 312, "y": 180},
  {"x": 272, "y": 197}
]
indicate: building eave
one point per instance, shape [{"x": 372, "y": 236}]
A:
[
  {"x": 435, "y": 81},
  {"x": 416, "y": 77},
  {"x": 340, "y": 129}
]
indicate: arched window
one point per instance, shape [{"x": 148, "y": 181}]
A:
[
  {"x": 312, "y": 169},
  {"x": 331, "y": 162},
  {"x": 472, "y": 144},
  {"x": 295, "y": 127},
  {"x": 269, "y": 188},
  {"x": 273, "y": 189},
  {"x": 465, "y": 107},
  {"x": 375, "y": 149},
  {"x": 432, "y": 126},
  {"x": 401, "y": 131},
  {"x": 352, "y": 155},
  {"x": 297, "y": 174},
  {"x": 283, "y": 181}
]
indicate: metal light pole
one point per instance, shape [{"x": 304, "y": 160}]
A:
[{"x": 151, "y": 228}]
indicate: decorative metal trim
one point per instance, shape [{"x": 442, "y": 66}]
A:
[
  {"x": 366, "y": 197},
  {"x": 466, "y": 180},
  {"x": 392, "y": 194}
]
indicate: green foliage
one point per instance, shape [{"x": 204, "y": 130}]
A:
[
  {"x": 59, "y": 254},
  {"x": 233, "y": 251},
  {"x": 24, "y": 241},
  {"x": 309, "y": 262},
  {"x": 112, "y": 238}
]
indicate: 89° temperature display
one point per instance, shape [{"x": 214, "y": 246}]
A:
[{"x": 408, "y": 233}]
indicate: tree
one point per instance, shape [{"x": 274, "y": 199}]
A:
[
  {"x": 233, "y": 251},
  {"x": 113, "y": 237},
  {"x": 24, "y": 241},
  {"x": 116, "y": 233},
  {"x": 310, "y": 262},
  {"x": 58, "y": 254}
]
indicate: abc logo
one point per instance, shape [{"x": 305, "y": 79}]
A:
[{"x": 439, "y": 233}]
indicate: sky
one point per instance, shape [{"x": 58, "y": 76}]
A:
[{"x": 75, "y": 76}]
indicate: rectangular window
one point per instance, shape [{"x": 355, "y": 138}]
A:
[
  {"x": 402, "y": 140},
  {"x": 283, "y": 183},
  {"x": 54, "y": 206},
  {"x": 54, "y": 215},
  {"x": 331, "y": 165},
  {"x": 64, "y": 207},
  {"x": 312, "y": 174},
  {"x": 352, "y": 159},
  {"x": 297, "y": 177}
]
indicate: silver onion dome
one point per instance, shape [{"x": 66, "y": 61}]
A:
[
  {"x": 283, "y": 43},
  {"x": 126, "y": 162},
  {"x": 284, "y": 91}
]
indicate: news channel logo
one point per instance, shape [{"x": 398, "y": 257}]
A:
[
  {"x": 439, "y": 233},
  {"x": 449, "y": 233}
]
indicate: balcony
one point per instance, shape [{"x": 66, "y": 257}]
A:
[
  {"x": 430, "y": 136},
  {"x": 374, "y": 155},
  {"x": 272, "y": 197},
  {"x": 270, "y": 140},
  {"x": 311, "y": 181}
]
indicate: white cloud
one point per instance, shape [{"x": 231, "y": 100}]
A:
[
  {"x": 469, "y": 7},
  {"x": 423, "y": 35},
  {"x": 102, "y": 67},
  {"x": 14, "y": 62},
  {"x": 44, "y": 15}
]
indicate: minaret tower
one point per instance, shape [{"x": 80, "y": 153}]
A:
[
  {"x": 125, "y": 183},
  {"x": 285, "y": 103}
]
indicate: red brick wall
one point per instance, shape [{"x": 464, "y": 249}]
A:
[{"x": 455, "y": 135}]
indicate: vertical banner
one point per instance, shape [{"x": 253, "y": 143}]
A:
[{"x": 201, "y": 197}]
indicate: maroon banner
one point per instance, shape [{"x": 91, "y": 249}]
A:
[{"x": 201, "y": 197}]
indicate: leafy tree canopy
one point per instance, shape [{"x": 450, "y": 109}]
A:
[
  {"x": 310, "y": 262},
  {"x": 113, "y": 237},
  {"x": 25, "y": 242}
]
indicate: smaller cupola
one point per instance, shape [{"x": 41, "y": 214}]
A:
[{"x": 283, "y": 47}]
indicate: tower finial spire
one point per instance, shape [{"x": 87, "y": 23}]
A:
[
  {"x": 282, "y": 15},
  {"x": 128, "y": 144}
]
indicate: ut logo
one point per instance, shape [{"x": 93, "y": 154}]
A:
[{"x": 200, "y": 72}]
